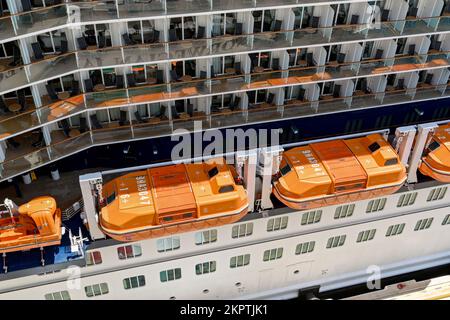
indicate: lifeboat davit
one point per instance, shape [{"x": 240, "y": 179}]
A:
[
  {"x": 338, "y": 171},
  {"x": 35, "y": 224},
  {"x": 177, "y": 198},
  {"x": 436, "y": 162}
]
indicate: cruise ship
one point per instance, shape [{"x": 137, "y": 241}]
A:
[{"x": 92, "y": 94}]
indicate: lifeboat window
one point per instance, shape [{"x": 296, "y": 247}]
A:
[
  {"x": 111, "y": 198},
  {"x": 391, "y": 162},
  {"x": 225, "y": 189},
  {"x": 350, "y": 187},
  {"x": 434, "y": 145},
  {"x": 374, "y": 147},
  {"x": 286, "y": 169},
  {"x": 213, "y": 172}
]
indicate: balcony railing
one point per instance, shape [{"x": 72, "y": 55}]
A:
[
  {"x": 26, "y": 161},
  {"x": 57, "y": 111}
]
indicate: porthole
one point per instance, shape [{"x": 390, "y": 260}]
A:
[
  {"x": 296, "y": 271},
  {"x": 172, "y": 298},
  {"x": 205, "y": 291},
  {"x": 238, "y": 284}
]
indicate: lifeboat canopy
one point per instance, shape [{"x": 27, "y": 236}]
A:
[{"x": 338, "y": 171}]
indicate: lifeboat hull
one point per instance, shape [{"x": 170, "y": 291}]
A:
[
  {"x": 335, "y": 199},
  {"x": 438, "y": 175},
  {"x": 171, "y": 229},
  {"x": 31, "y": 241}
]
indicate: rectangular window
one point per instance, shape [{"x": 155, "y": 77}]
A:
[
  {"x": 96, "y": 290},
  {"x": 305, "y": 247},
  {"x": 446, "y": 220},
  {"x": 376, "y": 205},
  {"x": 395, "y": 230},
  {"x": 423, "y": 224},
  {"x": 437, "y": 194},
  {"x": 168, "y": 244},
  {"x": 93, "y": 258},
  {"x": 204, "y": 237},
  {"x": 407, "y": 199},
  {"x": 130, "y": 251},
  {"x": 273, "y": 254},
  {"x": 278, "y": 223},
  {"x": 170, "y": 275},
  {"x": 239, "y": 261},
  {"x": 366, "y": 235},
  {"x": 205, "y": 267},
  {"x": 242, "y": 230},
  {"x": 60, "y": 295},
  {"x": 134, "y": 282},
  {"x": 311, "y": 217},
  {"x": 335, "y": 242},
  {"x": 344, "y": 211}
]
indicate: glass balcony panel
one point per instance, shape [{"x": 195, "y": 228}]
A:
[
  {"x": 339, "y": 71},
  {"x": 264, "y": 114},
  {"x": 189, "y": 123},
  {"x": 268, "y": 41},
  {"x": 332, "y": 105},
  {"x": 363, "y": 32},
  {"x": 444, "y": 24},
  {"x": 54, "y": 67},
  {"x": 100, "y": 58},
  {"x": 234, "y": 44},
  {"x": 232, "y": 4},
  {"x": 138, "y": 54},
  {"x": 97, "y": 10},
  {"x": 12, "y": 79},
  {"x": 25, "y": 162},
  {"x": 41, "y": 19},
  {"x": 111, "y": 135},
  {"x": 228, "y": 118},
  {"x": 147, "y": 94},
  {"x": 298, "y": 110},
  {"x": 141, "y": 8},
  {"x": 180, "y": 90},
  {"x": 184, "y": 7},
  {"x": 155, "y": 127},
  {"x": 21, "y": 122},
  {"x": 188, "y": 49},
  {"x": 227, "y": 84},
  {"x": 6, "y": 28},
  {"x": 62, "y": 109},
  {"x": 306, "y": 37},
  {"x": 419, "y": 26},
  {"x": 107, "y": 98}
]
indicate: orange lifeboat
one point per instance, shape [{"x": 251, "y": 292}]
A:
[
  {"x": 339, "y": 171},
  {"x": 171, "y": 199},
  {"x": 436, "y": 162},
  {"x": 33, "y": 225}
]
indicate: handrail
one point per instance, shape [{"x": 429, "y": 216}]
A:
[
  {"x": 222, "y": 77},
  {"x": 130, "y": 126}
]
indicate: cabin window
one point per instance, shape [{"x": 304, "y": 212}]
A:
[
  {"x": 168, "y": 244},
  {"x": 240, "y": 261},
  {"x": 170, "y": 275},
  {"x": 60, "y": 295},
  {"x": 130, "y": 251},
  {"x": 437, "y": 194},
  {"x": 407, "y": 199},
  {"x": 242, "y": 230},
  {"x": 286, "y": 169},
  {"x": 311, "y": 217},
  {"x": 305, "y": 247},
  {"x": 213, "y": 172},
  {"x": 335, "y": 242},
  {"x": 276, "y": 224},
  {"x": 366, "y": 235},
  {"x": 134, "y": 282},
  {"x": 395, "y": 230},
  {"x": 225, "y": 189},
  {"x": 446, "y": 220},
  {"x": 391, "y": 162},
  {"x": 205, "y": 267},
  {"x": 205, "y": 237},
  {"x": 376, "y": 205},
  {"x": 93, "y": 258},
  {"x": 111, "y": 198},
  {"x": 434, "y": 145},
  {"x": 273, "y": 254},
  {"x": 344, "y": 211},
  {"x": 423, "y": 224},
  {"x": 96, "y": 290},
  {"x": 374, "y": 147}
]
